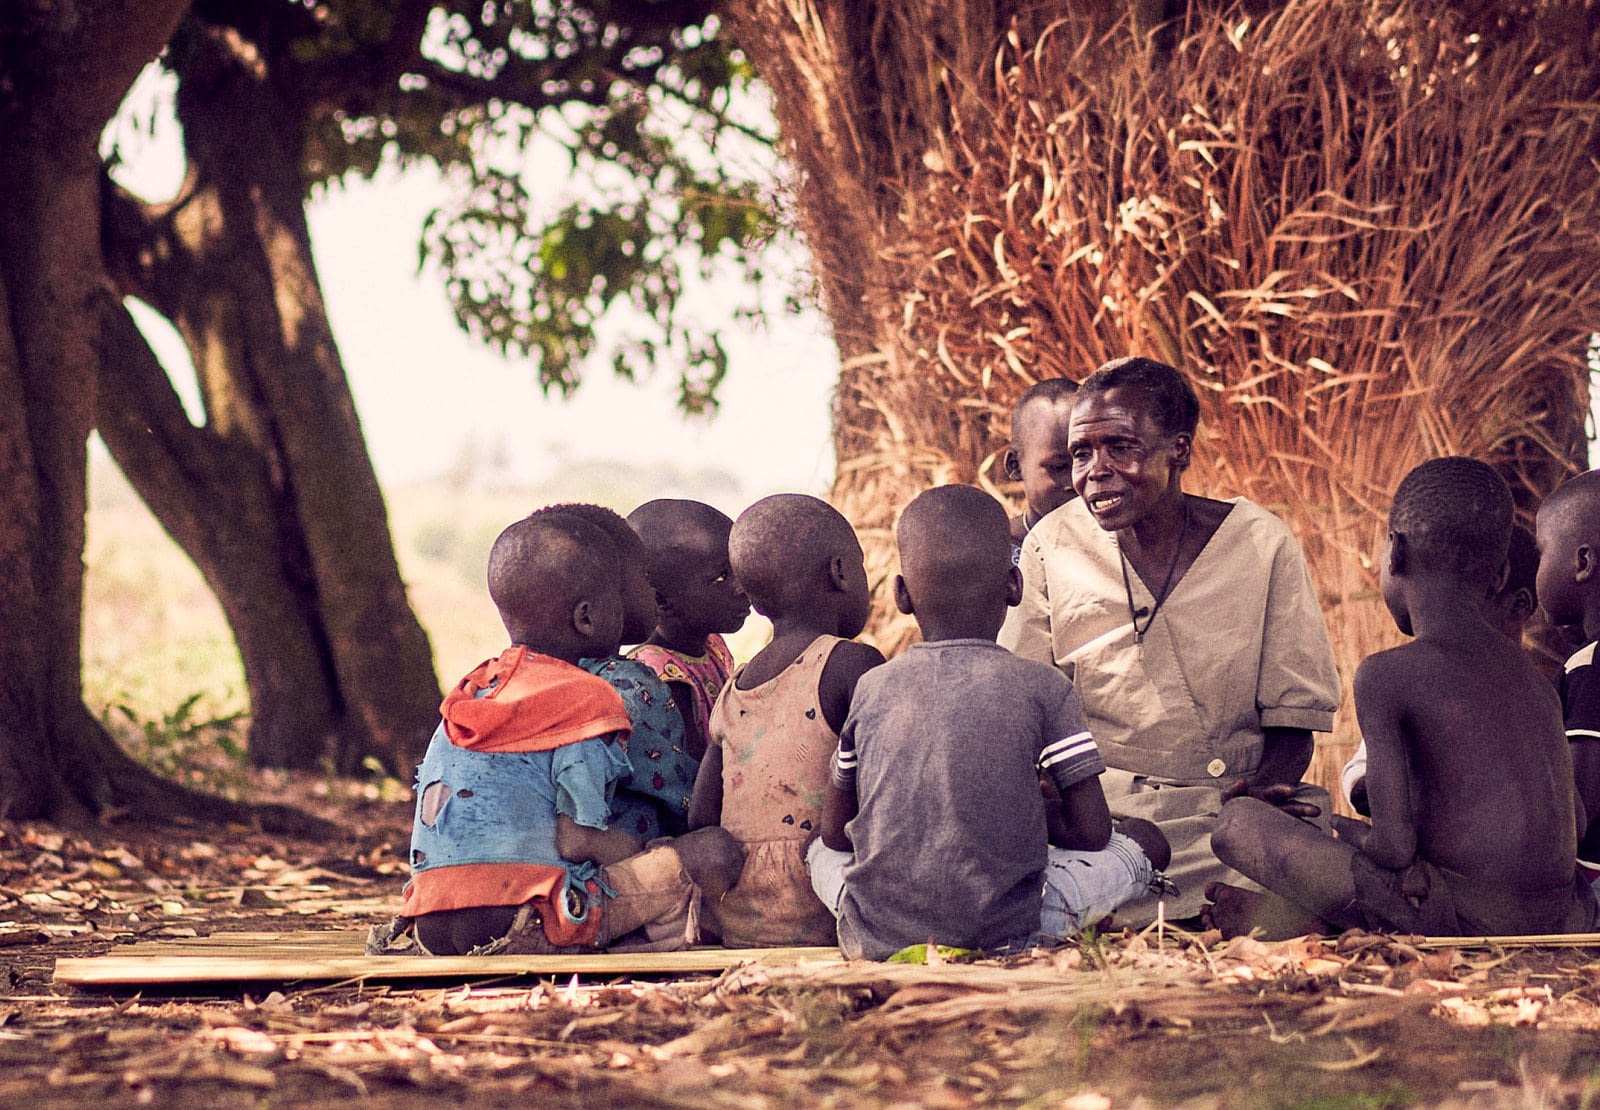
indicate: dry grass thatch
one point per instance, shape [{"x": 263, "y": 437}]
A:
[{"x": 1370, "y": 235}]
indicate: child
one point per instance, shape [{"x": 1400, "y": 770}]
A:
[
  {"x": 775, "y": 727},
  {"x": 1038, "y": 456},
  {"x": 653, "y": 799},
  {"x": 509, "y": 849},
  {"x": 935, "y": 826},
  {"x": 1569, "y": 589},
  {"x": 1473, "y": 825},
  {"x": 686, "y": 544},
  {"x": 1509, "y": 611}
]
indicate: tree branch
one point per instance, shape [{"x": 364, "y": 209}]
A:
[
  {"x": 144, "y": 425},
  {"x": 104, "y": 47},
  {"x": 722, "y": 119},
  {"x": 144, "y": 257}
]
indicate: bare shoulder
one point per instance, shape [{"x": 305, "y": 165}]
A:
[
  {"x": 1387, "y": 671},
  {"x": 851, "y": 658},
  {"x": 836, "y": 686}
]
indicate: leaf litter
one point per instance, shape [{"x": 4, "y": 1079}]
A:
[{"x": 1118, "y": 1019}]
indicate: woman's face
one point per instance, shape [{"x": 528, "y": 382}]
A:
[{"x": 1123, "y": 465}]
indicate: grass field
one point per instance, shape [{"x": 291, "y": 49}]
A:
[{"x": 155, "y": 638}]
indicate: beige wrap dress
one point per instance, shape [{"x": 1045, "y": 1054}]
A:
[{"x": 1238, "y": 645}]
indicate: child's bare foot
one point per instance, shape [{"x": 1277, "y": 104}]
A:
[
  {"x": 1236, "y": 912},
  {"x": 1148, "y": 837}
]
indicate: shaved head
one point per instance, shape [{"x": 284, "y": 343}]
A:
[
  {"x": 541, "y": 568},
  {"x": 638, "y": 599},
  {"x": 1455, "y": 513},
  {"x": 1576, "y": 501},
  {"x": 781, "y": 545},
  {"x": 955, "y": 555},
  {"x": 949, "y": 531},
  {"x": 675, "y": 530},
  {"x": 1041, "y": 395},
  {"x": 1569, "y": 545}
]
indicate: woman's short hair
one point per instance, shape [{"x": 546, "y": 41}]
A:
[{"x": 1172, "y": 399}]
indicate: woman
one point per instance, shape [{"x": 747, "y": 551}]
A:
[{"x": 1189, "y": 626}]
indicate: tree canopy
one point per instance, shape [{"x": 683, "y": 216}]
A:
[{"x": 660, "y": 119}]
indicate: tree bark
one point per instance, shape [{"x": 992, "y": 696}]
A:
[
  {"x": 274, "y": 498},
  {"x": 63, "y": 71}
]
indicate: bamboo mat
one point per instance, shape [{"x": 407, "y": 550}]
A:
[
  {"x": 1542, "y": 940},
  {"x": 331, "y": 956}
]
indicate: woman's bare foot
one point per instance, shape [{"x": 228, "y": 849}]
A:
[{"x": 1237, "y": 912}]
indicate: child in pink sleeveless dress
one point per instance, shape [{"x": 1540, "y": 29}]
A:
[
  {"x": 686, "y": 544},
  {"x": 765, "y": 772}
]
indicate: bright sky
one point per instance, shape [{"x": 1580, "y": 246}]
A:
[
  {"x": 423, "y": 386},
  {"x": 426, "y": 391}
]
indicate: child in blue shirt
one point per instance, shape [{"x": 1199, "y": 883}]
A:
[{"x": 510, "y": 849}]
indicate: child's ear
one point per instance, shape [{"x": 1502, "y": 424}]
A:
[
  {"x": 838, "y": 575},
  {"x": 902, "y": 596},
  {"x": 1010, "y": 465},
  {"x": 1014, "y": 587},
  {"x": 1523, "y": 605},
  {"x": 1586, "y": 560},
  {"x": 1396, "y": 553},
  {"x": 583, "y": 619}
]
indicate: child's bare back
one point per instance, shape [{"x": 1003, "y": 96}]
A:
[
  {"x": 1469, "y": 778},
  {"x": 1469, "y": 768}
]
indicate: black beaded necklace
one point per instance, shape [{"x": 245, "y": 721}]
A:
[{"x": 1172, "y": 567}]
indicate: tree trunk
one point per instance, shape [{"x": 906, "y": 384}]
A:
[
  {"x": 216, "y": 496},
  {"x": 1368, "y": 237},
  {"x": 61, "y": 79},
  {"x": 275, "y": 498}
]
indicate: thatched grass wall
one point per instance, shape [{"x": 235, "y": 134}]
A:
[{"x": 1370, "y": 232}]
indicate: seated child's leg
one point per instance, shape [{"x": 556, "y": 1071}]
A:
[
  {"x": 1292, "y": 859},
  {"x": 1148, "y": 836},
  {"x": 826, "y": 867},
  {"x": 1080, "y": 888},
  {"x": 660, "y": 889}
]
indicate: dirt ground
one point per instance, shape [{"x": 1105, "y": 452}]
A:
[{"x": 1115, "y": 1021}]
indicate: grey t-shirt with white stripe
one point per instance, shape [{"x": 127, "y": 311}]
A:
[{"x": 944, "y": 747}]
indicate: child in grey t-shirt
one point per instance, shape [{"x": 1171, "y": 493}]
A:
[{"x": 935, "y": 828}]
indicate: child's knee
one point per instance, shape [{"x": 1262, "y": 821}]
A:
[
  {"x": 1237, "y": 825},
  {"x": 1150, "y": 839},
  {"x": 711, "y": 857}
]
